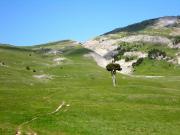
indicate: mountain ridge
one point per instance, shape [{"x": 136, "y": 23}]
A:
[
  {"x": 143, "y": 24},
  {"x": 160, "y": 33}
]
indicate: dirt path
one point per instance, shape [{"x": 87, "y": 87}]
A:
[
  {"x": 19, "y": 130},
  {"x": 145, "y": 76},
  {"x": 58, "y": 109}
]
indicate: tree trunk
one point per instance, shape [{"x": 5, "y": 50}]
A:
[{"x": 114, "y": 80}]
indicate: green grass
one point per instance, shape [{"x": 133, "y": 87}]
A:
[
  {"x": 171, "y": 52},
  {"x": 54, "y": 45},
  {"x": 145, "y": 47},
  {"x": 137, "y": 106},
  {"x": 157, "y": 32},
  {"x": 147, "y": 31},
  {"x": 156, "y": 67}
]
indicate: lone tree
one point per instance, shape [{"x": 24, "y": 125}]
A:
[{"x": 113, "y": 67}]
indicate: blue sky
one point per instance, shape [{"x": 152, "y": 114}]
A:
[{"x": 29, "y": 22}]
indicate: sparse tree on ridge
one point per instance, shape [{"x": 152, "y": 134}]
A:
[{"x": 113, "y": 67}]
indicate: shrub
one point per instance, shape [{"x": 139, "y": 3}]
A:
[
  {"x": 34, "y": 70},
  {"x": 28, "y": 68},
  {"x": 155, "y": 53},
  {"x": 124, "y": 47},
  {"x": 129, "y": 58},
  {"x": 138, "y": 62},
  {"x": 176, "y": 40},
  {"x": 116, "y": 58},
  {"x": 128, "y": 47}
]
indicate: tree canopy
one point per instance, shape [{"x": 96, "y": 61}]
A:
[{"x": 113, "y": 67}]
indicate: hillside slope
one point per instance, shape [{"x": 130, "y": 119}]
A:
[{"x": 137, "y": 40}]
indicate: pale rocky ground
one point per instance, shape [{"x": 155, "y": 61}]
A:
[
  {"x": 166, "y": 21},
  {"x": 54, "y": 52},
  {"x": 101, "y": 47},
  {"x": 59, "y": 60},
  {"x": 175, "y": 32},
  {"x": 177, "y": 46},
  {"x": 43, "y": 76},
  {"x": 105, "y": 45},
  {"x": 126, "y": 66},
  {"x": 104, "y": 48},
  {"x": 100, "y": 60},
  {"x": 149, "y": 39},
  {"x": 138, "y": 54},
  {"x": 178, "y": 58}
]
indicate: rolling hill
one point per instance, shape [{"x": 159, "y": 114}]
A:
[{"x": 58, "y": 89}]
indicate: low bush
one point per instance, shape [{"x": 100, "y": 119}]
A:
[
  {"x": 34, "y": 70},
  {"x": 138, "y": 62},
  {"x": 129, "y": 58},
  {"x": 155, "y": 53},
  {"x": 28, "y": 68},
  {"x": 127, "y": 47},
  {"x": 176, "y": 40}
]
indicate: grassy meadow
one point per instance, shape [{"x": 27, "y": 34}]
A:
[{"x": 137, "y": 106}]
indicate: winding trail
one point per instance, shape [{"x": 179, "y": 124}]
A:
[
  {"x": 59, "y": 107},
  {"x": 145, "y": 76},
  {"x": 37, "y": 117}
]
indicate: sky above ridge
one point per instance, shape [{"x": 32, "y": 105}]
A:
[{"x": 30, "y": 22}]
